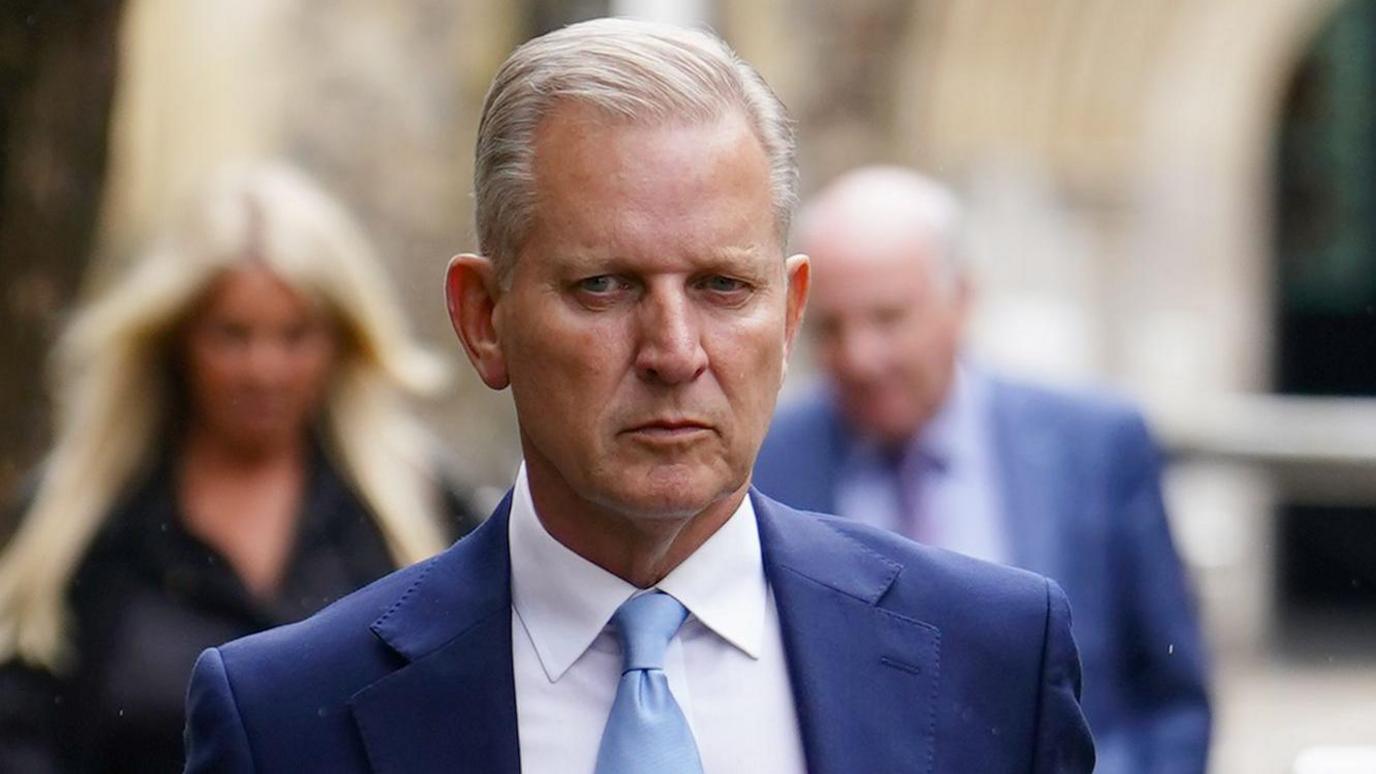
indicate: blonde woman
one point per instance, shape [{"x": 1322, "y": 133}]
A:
[{"x": 233, "y": 451}]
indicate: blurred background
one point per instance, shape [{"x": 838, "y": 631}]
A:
[{"x": 1176, "y": 199}]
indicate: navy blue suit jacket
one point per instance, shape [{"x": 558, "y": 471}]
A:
[
  {"x": 902, "y": 659},
  {"x": 1081, "y": 488}
]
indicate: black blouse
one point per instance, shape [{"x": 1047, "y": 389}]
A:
[{"x": 147, "y": 600}]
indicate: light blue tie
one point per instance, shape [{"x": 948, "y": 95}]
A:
[{"x": 646, "y": 731}]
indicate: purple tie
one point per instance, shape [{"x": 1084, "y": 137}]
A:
[{"x": 910, "y": 467}]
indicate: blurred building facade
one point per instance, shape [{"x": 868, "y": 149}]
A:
[{"x": 1125, "y": 165}]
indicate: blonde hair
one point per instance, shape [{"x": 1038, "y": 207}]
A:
[
  {"x": 631, "y": 70},
  {"x": 114, "y": 386}
]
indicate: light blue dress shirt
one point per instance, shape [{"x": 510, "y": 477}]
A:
[{"x": 959, "y": 505}]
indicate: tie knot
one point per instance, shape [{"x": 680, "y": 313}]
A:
[
  {"x": 645, "y": 624},
  {"x": 913, "y": 459}
]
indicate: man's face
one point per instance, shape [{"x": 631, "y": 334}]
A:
[
  {"x": 886, "y": 324},
  {"x": 649, "y": 313}
]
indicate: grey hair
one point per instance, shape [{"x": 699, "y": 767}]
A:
[
  {"x": 893, "y": 197},
  {"x": 631, "y": 70}
]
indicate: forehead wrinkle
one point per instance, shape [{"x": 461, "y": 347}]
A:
[
  {"x": 664, "y": 220},
  {"x": 598, "y": 260},
  {"x": 623, "y": 171},
  {"x": 733, "y": 253},
  {"x": 699, "y": 238}
]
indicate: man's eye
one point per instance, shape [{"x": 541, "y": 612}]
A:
[
  {"x": 603, "y": 283},
  {"x": 719, "y": 284}
]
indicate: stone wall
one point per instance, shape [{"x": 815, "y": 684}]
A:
[{"x": 377, "y": 101}]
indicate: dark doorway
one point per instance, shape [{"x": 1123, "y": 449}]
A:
[{"x": 1326, "y": 300}]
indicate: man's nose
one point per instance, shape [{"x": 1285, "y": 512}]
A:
[
  {"x": 670, "y": 338},
  {"x": 857, "y": 354}
]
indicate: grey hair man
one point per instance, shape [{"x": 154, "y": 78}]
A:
[
  {"x": 908, "y": 435},
  {"x": 633, "y": 605}
]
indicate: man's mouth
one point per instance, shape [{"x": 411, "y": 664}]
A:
[{"x": 669, "y": 428}]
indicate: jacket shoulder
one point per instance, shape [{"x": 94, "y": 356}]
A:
[
  {"x": 951, "y": 591},
  {"x": 942, "y": 580},
  {"x": 332, "y": 652},
  {"x": 1078, "y": 405}
]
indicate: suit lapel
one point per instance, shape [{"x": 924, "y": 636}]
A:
[
  {"x": 452, "y": 705},
  {"x": 1028, "y": 467},
  {"x": 864, "y": 678}
]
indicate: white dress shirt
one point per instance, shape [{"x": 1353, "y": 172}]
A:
[{"x": 725, "y": 667}]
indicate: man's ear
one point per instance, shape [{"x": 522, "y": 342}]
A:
[
  {"x": 471, "y": 293},
  {"x": 798, "y": 273}
]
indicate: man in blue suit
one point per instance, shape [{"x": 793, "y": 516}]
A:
[
  {"x": 633, "y": 605},
  {"x": 907, "y": 436}
]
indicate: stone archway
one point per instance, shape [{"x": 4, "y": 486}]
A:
[{"x": 1144, "y": 129}]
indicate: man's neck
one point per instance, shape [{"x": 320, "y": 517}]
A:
[{"x": 638, "y": 548}]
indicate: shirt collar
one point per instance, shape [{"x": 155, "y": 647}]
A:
[
  {"x": 564, "y": 601},
  {"x": 943, "y": 438}
]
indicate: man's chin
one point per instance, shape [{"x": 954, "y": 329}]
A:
[
  {"x": 885, "y": 426},
  {"x": 661, "y": 506},
  {"x": 663, "y": 495}
]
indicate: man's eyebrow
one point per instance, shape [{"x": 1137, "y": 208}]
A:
[
  {"x": 591, "y": 260},
  {"x": 580, "y": 260},
  {"x": 732, "y": 253}
]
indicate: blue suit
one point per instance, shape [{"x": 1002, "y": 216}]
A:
[
  {"x": 1080, "y": 481},
  {"x": 902, "y": 658}
]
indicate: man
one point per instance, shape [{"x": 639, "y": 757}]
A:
[
  {"x": 632, "y": 606},
  {"x": 910, "y": 437}
]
